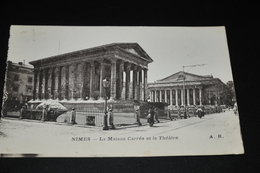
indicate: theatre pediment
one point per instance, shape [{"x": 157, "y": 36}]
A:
[{"x": 177, "y": 77}]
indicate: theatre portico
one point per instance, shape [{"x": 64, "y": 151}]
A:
[{"x": 199, "y": 90}]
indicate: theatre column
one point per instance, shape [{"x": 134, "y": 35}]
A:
[
  {"x": 152, "y": 96},
  {"x": 91, "y": 83},
  {"x": 177, "y": 97},
  {"x": 113, "y": 80},
  {"x": 171, "y": 96},
  {"x": 145, "y": 84},
  {"x": 182, "y": 97},
  {"x": 194, "y": 96},
  {"x": 188, "y": 96},
  {"x": 165, "y": 96},
  {"x": 160, "y": 96},
  {"x": 200, "y": 93},
  {"x": 155, "y": 96}
]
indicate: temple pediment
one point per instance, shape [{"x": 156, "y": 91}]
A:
[
  {"x": 134, "y": 49},
  {"x": 178, "y": 77},
  {"x": 130, "y": 50}
]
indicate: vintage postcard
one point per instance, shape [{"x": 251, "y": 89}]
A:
[{"x": 118, "y": 91}]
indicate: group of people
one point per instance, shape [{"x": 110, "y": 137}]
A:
[{"x": 152, "y": 115}]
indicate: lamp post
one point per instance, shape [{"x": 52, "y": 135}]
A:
[
  {"x": 183, "y": 67},
  {"x": 106, "y": 84}
]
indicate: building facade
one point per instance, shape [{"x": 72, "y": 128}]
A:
[
  {"x": 184, "y": 88},
  {"x": 18, "y": 85},
  {"x": 77, "y": 76}
]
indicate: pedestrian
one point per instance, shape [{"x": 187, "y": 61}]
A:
[
  {"x": 111, "y": 118},
  {"x": 169, "y": 114},
  {"x": 156, "y": 114},
  {"x": 44, "y": 113},
  {"x": 137, "y": 114},
  {"x": 150, "y": 117},
  {"x": 179, "y": 113},
  {"x": 22, "y": 112},
  {"x": 73, "y": 116}
]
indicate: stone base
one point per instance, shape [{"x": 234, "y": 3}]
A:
[{"x": 126, "y": 106}]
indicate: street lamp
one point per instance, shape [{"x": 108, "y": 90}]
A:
[
  {"x": 106, "y": 84},
  {"x": 184, "y": 104}
]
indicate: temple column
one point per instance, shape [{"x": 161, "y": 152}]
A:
[
  {"x": 63, "y": 93},
  {"x": 75, "y": 81},
  {"x": 36, "y": 84},
  {"x": 127, "y": 82},
  {"x": 140, "y": 87},
  {"x": 134, "y": 83},
  {"x": 43, "y": 83},
  {"x": 113, "y": 80},
  {"x": 82, "y": 93},
  {"x": 48, "y": 84},
  {"x": 171, "y": 97},
  {"x": 121, "y": 80},
  {"x": 59, "y": 83},
  {"x": 145, "y": 84},
  {"x": 66, "y": 69},
  {"x": 40, "y": 84},
  {"x": 91, "y": 82},
  {"x": 101, "y": 88},
  {"x": 200, "y": 93},
  {"x": 55, "y": 82},
  {"x": 71, "y": 81},
  {"x": 188, "y": 97},
  {"x": 194, "y": 96},
  {"x": 151, "y": 93},
  {"x": 80, "y": 81}
]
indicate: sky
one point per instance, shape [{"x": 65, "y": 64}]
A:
[{"x": 171, "y": 48}]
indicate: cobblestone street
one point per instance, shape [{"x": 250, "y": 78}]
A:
[{"x": 215, "y": 133}]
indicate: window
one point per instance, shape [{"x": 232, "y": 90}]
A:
[
  {"x": 16, "y": 77},
  {"x": 15, "y": 88},
  {"x": 29, "y": 79},
  {"x": 29, "y": 89}
]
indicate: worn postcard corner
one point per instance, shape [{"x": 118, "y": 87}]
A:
[{"x": 118, "y": 92}]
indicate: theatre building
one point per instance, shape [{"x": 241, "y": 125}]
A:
[
  {"x": 199, "y": 90},
  {"x": 75, "y": 78}
]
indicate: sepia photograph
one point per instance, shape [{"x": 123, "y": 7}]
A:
[{"x": 86, "y": 91}]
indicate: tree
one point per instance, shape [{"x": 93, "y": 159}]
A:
[{"x": 229, "y": 93}]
